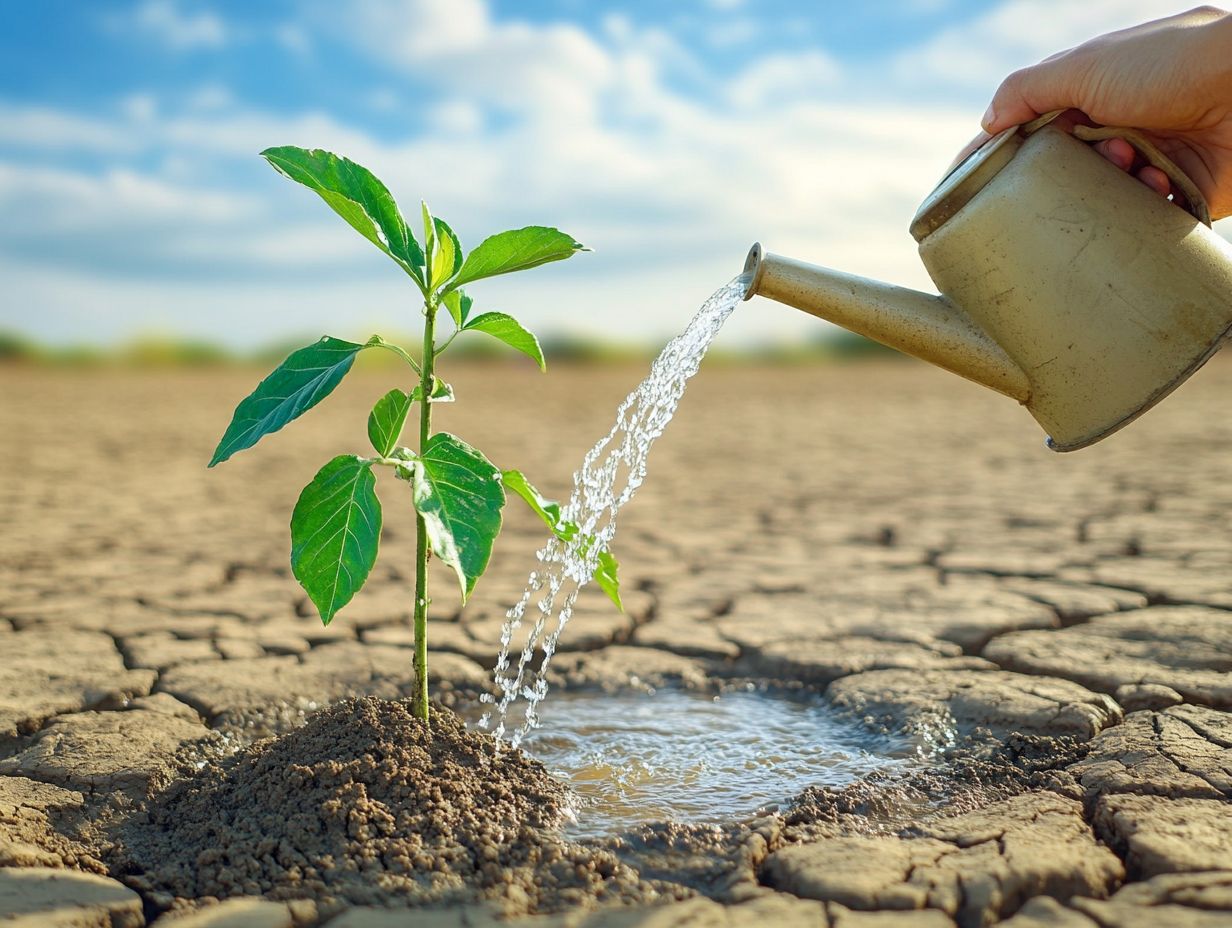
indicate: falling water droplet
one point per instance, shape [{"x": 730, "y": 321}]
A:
[{"x": 609, "y": 476}]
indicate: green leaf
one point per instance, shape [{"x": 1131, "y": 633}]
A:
[
  {"x": 335, "y": 533},
  {"x": 459, "y": 495},
  {"x": 511, "y": 332},
  {"x": 429, "y": 237},
  {"x": 606, "y": 577},
  {"x": 448, "y": 258},
  {"x": 441, "y": 392},
  {"x": 305, "y": 378},
  {"x": 459, "y": 306},
  {"x": 355, "y": 194},
  {"x": 547, "y": 510},
  {"x": 386, "y": 420},
  {"x": 516, "y": 250}
]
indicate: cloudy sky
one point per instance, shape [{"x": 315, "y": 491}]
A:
[{"x": 666, "y": 134}]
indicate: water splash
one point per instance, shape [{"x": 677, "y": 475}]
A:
[{"x": 610, "y": 474}]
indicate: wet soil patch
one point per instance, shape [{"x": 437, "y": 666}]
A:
[
  {"x": 967, "y": 776},
  {"x": 365, "y": 805}
]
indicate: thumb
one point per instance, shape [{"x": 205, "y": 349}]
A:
[{"x": 1026, "y": 94}]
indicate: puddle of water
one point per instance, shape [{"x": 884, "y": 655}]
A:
[{"x": 672, "y": 755}]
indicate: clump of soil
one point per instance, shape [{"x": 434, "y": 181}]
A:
[{"x": 366, "y": 805}]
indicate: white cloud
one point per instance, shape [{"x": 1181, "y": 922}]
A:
[
  {"x": 727, "y": 33},
  {"x": 531, "y": 70},
  {"x": 71, "y": 201},
  {"x": 782, "y": 78},
  {"x": 923, "y": 7},
  {"x": 41, "y": 127},
  {"x": 293, "y": 38},
  {"x": 80, "y": 304},
  {"x": 456, "y": 117},
  {"x": 1016, "y": 33},
  {"x": 382, "y": 99},
  {"x": 210, "y": 97},
  {"x": 167, "y": 22},
  {"x": 409, "y": 32},
  {"x": 140, "y": 107},
  {"x": 194, "y": 124}
]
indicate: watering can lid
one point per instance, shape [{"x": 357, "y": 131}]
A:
[{"x": 965, "y": 181}]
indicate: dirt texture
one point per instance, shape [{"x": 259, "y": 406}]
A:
[
  {"x": 1053, "y": 627},
  {"x": 46, "y": 673},
  {"x": 109, "y": 752},
  {"x": 975, "y": 867},
  {"x": 36, "y": 822},
  {"x": 1187, "y": 649},
  {"x": 365, "y": 804},
  {"x": 993, "y": 701},
  {"x": 1181, "y": 752},
  {"x": 43, "y": 897}
]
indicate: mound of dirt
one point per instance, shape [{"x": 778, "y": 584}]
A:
[{"x": 366, "y": 805}]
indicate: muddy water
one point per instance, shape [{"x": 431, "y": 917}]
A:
[{"x": 672, "y": 755}]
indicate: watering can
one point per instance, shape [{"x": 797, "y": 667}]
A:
[{"x": 1064, "y": 282}]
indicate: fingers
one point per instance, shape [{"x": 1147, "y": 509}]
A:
[
  {"x": 1156, "y": 179},
  {"x": 1118, "y": 151},
  {"x": 1009, "y": 106},
  {"x": 1122, "y": 154},
  {"x": 1030, "y": 92}
]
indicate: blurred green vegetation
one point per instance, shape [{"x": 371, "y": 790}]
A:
[
  {"x": 142, "y": 352},
  {"x": 162, "y": 352},
  {"x": 832, "y": 346}
]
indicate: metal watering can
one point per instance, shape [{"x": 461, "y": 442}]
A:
[{"x": 1065, "y": 283}]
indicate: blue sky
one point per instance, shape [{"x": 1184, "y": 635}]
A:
[{"x": 667, "y": 135}]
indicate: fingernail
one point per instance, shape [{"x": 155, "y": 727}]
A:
[{"x": 989, "y": 117}]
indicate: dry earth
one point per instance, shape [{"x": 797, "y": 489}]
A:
[{"x": 883, "y": 533}]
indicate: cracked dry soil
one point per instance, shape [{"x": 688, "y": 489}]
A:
[{"x": 1056, "y": 627}]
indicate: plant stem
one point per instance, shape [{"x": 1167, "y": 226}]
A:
[{"x": 421, "y": 531}]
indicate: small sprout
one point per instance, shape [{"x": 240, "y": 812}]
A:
[{"x": 458, "y": 494}]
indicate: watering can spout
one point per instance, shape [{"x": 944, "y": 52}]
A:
[{"x": 926, "y": 326}]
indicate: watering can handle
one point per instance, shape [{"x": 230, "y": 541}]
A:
[{"x": 1146, "y": 148}]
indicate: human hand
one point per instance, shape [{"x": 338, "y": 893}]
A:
[{"x": 1171, "y": 78}]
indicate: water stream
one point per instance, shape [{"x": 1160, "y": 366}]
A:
[{"x": 609, "y": 476}]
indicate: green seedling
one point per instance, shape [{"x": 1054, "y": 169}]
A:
[{"x": 457, "y": 493}]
